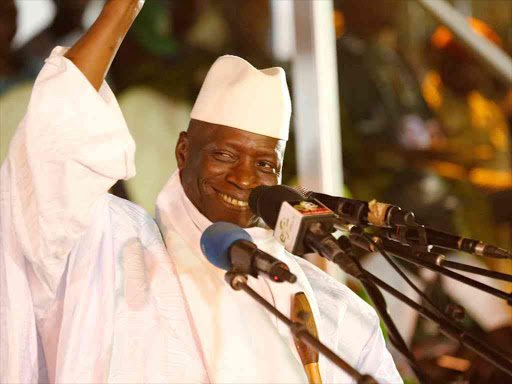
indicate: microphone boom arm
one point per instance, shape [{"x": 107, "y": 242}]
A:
[
  {"x": 355, "y": 239},
  {"x": 493, "y": 356},
  {"x": 238, "y": 281},
  {"x": 340, "y": 254},
  {"x": 450, "y": 329}
]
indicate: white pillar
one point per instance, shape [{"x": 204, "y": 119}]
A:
[
  {"x": 303, "y": 33},
  {"x": 283, "y": 29},
  {"x": 316, "y": 99}
]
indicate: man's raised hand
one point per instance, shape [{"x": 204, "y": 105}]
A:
[{"x": 94, "y": 52}]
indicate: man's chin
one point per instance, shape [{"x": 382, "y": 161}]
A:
[
  {"x": 241, "y": 222},
  {"x": 229, "y": 213}
]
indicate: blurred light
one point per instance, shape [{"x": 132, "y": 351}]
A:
[
  {"x": 482, "y": 111},
  {"x": 491, "y": 178},
  {"x": 430, "y": 89},
  {"x": 483, "y": 152},
  {"x": 486, "y": 115},
  {"x": 499, "y": 138},
  {"x": 454, "y": 363},
  {"x": 484, "y": 177},
  {"x": 33, "y": 16},
  {"x": 339, "y": 24},
  {"x": 449, "y": 170},
  {"x": 442, "y": 35}
]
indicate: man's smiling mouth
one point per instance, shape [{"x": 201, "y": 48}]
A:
[{"x": 232, "y": 201}]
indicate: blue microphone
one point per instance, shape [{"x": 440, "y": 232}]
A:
[{"x": 229, "y": 247}]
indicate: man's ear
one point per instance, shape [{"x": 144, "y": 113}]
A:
[{"x": 181, "y": 151}]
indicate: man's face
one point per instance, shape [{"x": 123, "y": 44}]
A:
[{"x": 220, "y": 166}]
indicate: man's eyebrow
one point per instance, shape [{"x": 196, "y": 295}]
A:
[{"x": 263, "y": 150}]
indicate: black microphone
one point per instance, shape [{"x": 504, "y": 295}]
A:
[
  {"x": 287, "y": 212},
  {"x": 301, "y": 226},
  {"x": 422, "y": 235},
  {"x": 268, "y": 207},
  {"x": 360, "y": 212},
  {"x": 402, "y": 224},
  {"x": 229, "y": 247}
]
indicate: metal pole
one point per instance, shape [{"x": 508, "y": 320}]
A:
[{"x": 487, "y": 52}]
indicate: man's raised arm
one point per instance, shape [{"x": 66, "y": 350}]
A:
[
  {"x": 71, "y": 147},
  {"x": 95, "y": 51}
]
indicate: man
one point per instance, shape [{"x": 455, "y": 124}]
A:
[{"x": 90, "y": 293}]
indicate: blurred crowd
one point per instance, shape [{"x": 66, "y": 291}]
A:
[{"x": 424, "y": 124}]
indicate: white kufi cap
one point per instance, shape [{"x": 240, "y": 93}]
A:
[{"x": 238, "y": 95}]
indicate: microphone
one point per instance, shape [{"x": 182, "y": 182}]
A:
[
  {"x": 229, "y": 247},
  {"x": 360, "y": 212},
  {"x": 265, "y": 201},
  {"x": 402, "y": 224},
  {"x": 301, "y": 226},
  {"x": 420, "y": 235},
  {"x": 290, "y": 216}
]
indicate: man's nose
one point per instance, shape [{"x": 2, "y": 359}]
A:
[{"x": 243, "y": 175}]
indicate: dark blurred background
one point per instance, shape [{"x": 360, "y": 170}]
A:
[{"x": 424, "y": 125}]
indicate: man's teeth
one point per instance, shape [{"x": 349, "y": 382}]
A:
[{"x": 233, "y": 201}]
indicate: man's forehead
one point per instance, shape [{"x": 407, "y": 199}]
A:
[{"x": 216, "y": 134}]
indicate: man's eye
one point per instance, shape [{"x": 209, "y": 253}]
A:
[
  {"x": 267, "y": 167},
  {"x": 223, "y": 156}
]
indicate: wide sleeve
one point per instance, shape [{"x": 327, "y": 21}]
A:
[
  {"x": 70, "y": 148},
  {"x": 376, "y": 360}
]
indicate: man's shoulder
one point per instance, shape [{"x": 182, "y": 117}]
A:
[
  {"x": 129, "y": 216},
  {"x": 126, "y": 207}
]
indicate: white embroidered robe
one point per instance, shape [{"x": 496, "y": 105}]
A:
[{"x": 89, "y": 293}]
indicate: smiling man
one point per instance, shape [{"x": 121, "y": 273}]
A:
[
  {"x": 236, "y": 139},
  {"x": 220, "y": 166},
  {"x": 93, "y": 291},
  {"x": 235, "y": 142}
]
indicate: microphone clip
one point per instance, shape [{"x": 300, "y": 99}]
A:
[
  {"x": 259, "y": 261},
  {"x": 235, "y": 279}
]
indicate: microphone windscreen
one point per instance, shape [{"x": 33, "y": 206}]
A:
[
  {"x": 306, "y": 193},
  {"x": 329, "y": 201},
  {"x": 268, "y": 201},
  {"x": 216, "y": 240},
  {"x": 254, "y": 198}
]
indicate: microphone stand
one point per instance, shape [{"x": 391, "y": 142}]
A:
[
  {"x": 453, "y": 331},
  {"x": 238, "y": 281},
  {"x": 441, "y": 261},
  {"x": 394, "y": 335},
  {"x": 409, "y": 254},
  {"x": 339, "y": 252},
  {"x": 429, "y": 253}
]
